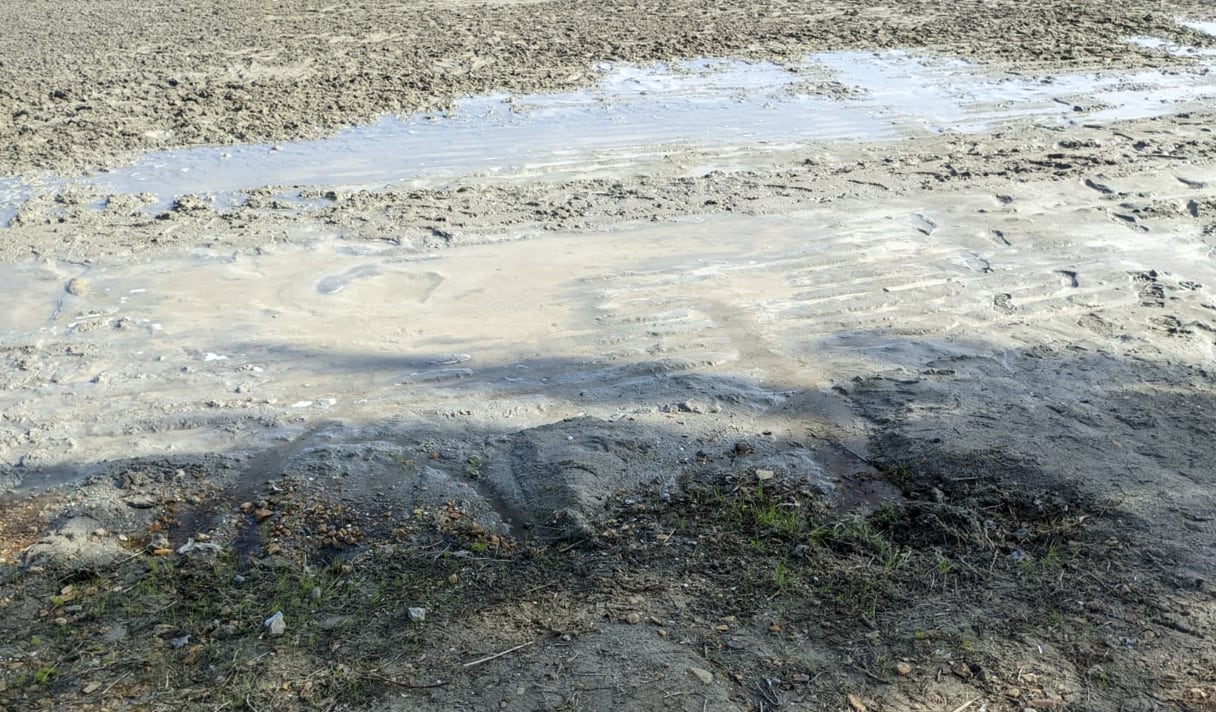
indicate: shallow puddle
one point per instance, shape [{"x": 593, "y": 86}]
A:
[{"x": 633, "y": 114}]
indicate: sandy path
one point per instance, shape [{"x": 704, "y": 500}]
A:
[{"x": 946, "y": 304}]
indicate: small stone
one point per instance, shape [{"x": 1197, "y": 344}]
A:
[
  {"x": 246, "y": 507},
  {"x": 141, "y": 501},
  {"x": 181, "y": 642},
  {"x": 704, "y": 676},
  {"x": 275, "y": 625},
  {"x": 856, "y": 703},
  {"x": 91, "y": 688},
  {"x": 903, "y": 669},
  {"x": 633, "y": 618},
  {"x": 416, "y": 614},
  {"x": 453, "y": 578},
  {"x": 963, "y": 670},
  {"x": 765, "y": 475},
  {"x": 1013, "y": 692},
  {"x": 77, "y": 287},
  {"x": 261, "y": 515}
]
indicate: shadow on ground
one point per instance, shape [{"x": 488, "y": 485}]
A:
[{"x": 1036, "y": 534}]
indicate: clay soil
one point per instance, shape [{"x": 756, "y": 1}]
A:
[{"x": 920, "y": 424}]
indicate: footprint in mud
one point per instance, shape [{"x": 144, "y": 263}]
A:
[
  {"x": 1171, "y": 325},
  {"x": 406, "y": 286},
  {"x": 1150, "y": 291},
  {"x": 977, "y": 263},
  {"x": 335, "y": 283},
  {"x": 437, "y": 368},
  {"x": 1098, "y": 325},
  {"x": 923, "y": 225},
  {"x": 1129, "y": 221}
]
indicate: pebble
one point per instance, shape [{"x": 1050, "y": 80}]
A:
[
  {"x": 141, "y": 501},
  {"x": 275, "y": 625},
  {"x": 633, "y": 618},
  {"x": 78, "y": 286},
  {"x": 416, "y": 614},
  {"x": 856, "y": 703},
  {"x": 903, "y": 669},
  {"x": 704, "y": 676}
]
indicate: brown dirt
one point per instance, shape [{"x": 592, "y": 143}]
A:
[
  {"x": 954, "y": 591},
  {"x": 87, "y": 85}
]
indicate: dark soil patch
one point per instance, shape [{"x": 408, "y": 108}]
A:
[{"x": 965, "y": 591}]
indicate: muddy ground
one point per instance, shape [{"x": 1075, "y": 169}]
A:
[
  {"x": 104, "y": 78},
  {"x": 920, "y": 423}
]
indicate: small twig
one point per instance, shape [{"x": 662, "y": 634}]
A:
[
  {"x": 250, "y": 704},
  {"x": 874, "y": 677},
  {"x": 488, "y": 658},
  {"x": 964, "y": 706},
  {"x": 112, "y": 684}
]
